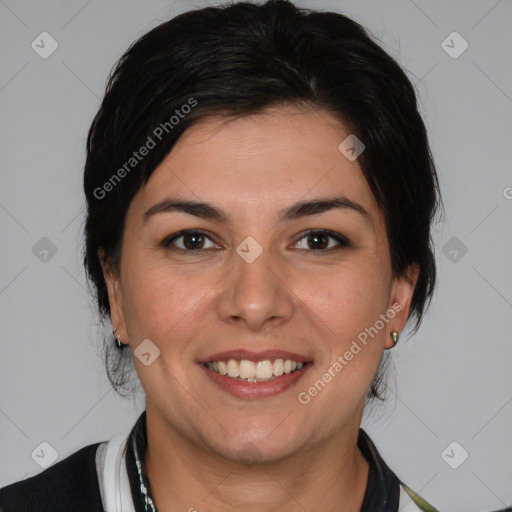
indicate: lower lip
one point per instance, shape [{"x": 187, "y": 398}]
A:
[{"x": 256, "y": 390}]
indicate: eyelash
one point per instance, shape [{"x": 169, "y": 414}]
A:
[{"x": 342, "y": 240}]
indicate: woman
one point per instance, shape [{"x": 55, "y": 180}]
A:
[{"x": 260, "y": 195}]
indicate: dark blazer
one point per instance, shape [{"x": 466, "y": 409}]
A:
[{"x": 70, "y": 485}]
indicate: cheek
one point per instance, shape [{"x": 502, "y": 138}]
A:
[
  {"x": 347, "y": 300},
  {"x": 150, "y": 294},
  {"x": 349, "y": 303},
  {"x": 152, "y": 305},
  {"x": 160, "y": 302}
]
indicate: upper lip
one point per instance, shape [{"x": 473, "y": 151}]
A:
[{"x": 240, "y": 354}]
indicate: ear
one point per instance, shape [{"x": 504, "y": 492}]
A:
[
  {"x": 115, "y": 295},
  {"x": 402, "y": 290}
]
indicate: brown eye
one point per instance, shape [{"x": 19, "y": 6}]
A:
[
  {"x": 319, "y": 241},
  {"x": 192, "y": 241}
]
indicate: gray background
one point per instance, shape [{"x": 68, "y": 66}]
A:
[{"x": 453, "y": 380}]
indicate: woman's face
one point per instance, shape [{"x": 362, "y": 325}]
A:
[{"x": 256, "y": 283}]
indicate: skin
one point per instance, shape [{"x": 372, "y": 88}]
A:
[{"x": 192, "y": 306}]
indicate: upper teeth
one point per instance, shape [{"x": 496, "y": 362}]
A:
[{"x": 245, "y": 369}]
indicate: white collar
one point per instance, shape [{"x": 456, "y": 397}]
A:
[
  {"x": 406, "y": 504},
  {"x": 113, "y": 479}
]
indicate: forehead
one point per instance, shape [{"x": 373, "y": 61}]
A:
[{"x": 263, "y": 161}]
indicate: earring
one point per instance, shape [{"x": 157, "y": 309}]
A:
[
  {"x": 118, "y": 340},
  {"x": 395, "y": 337}
]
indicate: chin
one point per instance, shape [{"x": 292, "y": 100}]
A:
[{"x": 255, "y": 446}]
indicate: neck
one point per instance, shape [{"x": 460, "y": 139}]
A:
[{"x": 186, "y": 476}]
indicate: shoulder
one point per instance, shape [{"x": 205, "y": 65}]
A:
[
  {"x": 71, "y": 484},
  {"x": 412, "y": 502}
]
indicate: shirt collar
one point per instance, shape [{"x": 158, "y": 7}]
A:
[{"x": 382, "y": 491}]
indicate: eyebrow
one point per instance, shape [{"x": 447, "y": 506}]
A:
[{"x": 296, "y": 211}]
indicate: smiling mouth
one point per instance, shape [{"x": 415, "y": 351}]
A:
[{"x": 251, "y": 371}]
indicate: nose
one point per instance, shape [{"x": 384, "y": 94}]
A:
[{"x": 256, "y": 294}]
